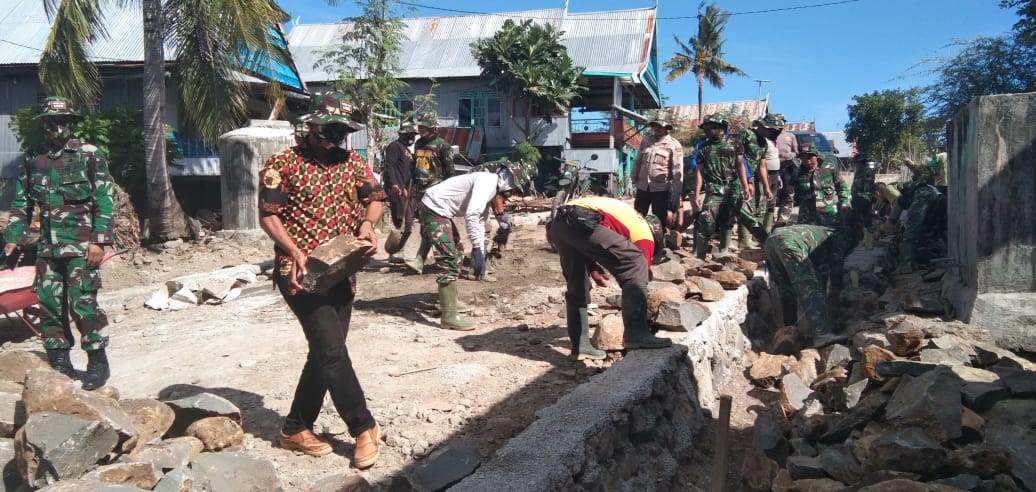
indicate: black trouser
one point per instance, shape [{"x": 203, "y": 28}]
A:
[
  {"x": 580, "y": 246},
  {"x": 328, "y": 369},
  {"x": 657, "y": 201},
  {"x": 396, "y": 207}
]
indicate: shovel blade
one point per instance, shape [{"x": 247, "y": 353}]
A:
[{"x": 395, "y": 241}]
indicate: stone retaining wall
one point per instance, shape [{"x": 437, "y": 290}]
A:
[{"x": 629, "y": 427}]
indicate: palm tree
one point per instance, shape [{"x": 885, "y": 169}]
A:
[
  {"x": 213, "y": 39},
  {"x": 704, "y": 56}
]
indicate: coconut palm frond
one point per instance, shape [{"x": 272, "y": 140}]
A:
[{"x": 64, "y": 66}]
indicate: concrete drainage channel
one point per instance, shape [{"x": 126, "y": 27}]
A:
[{"x": 629, "y": 427}]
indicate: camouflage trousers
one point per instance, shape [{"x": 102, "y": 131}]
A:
[
  {"x": 785, "y": 194},
  {"x": 721, "y": 208},
  {"x": 797, "y": 282},
  {"x": 925, "y": 219},
  {"x": 439, "y": 232},
  {"x": 66, "y": 286}
]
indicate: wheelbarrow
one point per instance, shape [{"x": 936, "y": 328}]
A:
[{"x": 18, "y": 299}]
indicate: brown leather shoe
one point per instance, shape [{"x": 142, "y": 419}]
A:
[
  {"x": 367, "y": 447},
  {"x": 306, "y": 442}
]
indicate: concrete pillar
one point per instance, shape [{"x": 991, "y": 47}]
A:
[
  {"x": 991, "y": 210},
  {"x": 242, "y": 154}
]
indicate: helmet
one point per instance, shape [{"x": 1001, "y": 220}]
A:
[
  {"x": 57, "y": 106},
  {"x": 504, "y": 180},
  {"x": 330, "y": 107},
  {"x": 428, "y": 119},
  {"x": 716, "y": 119}
]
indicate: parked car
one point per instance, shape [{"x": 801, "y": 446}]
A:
[{"x": 820, "y": 142}]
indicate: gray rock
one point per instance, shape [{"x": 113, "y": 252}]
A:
[
  {"x": 341, "y": 483},
  {"x": 862, "y": 339},
  {"x": 669, "y": 271},
  {"x": 840, "y": 463},
  {"x": 216, "y": 433},
  {"x": 909, "y": 450},
  {"x": 176, "y": 480},
  {"x": 879, "y": 476},
  {"x": 982, "y": 396},
  {"x": 446, "y": 467},
  {"x": 47, "y": 390},
  {"x": 139, "y": 475},
  {"x": 987, "y": 354},
  {"x": 804, "y": 467},
  {"x": 803, "y": 447},
  {"x": 10, "y": 479},
  {"x": 980, "y": 460},
  {"x": 835, "y": 355},
  {"x": 52, "y": 447},
  {"x": 202, "y": 405},
  {"x": 334, "y": 262},
  {"x": 658, "y": 284},
  {"x": 768, "y": 437},
  {"x": 930, "y": 401},
  {"x": 168, "y": 454},
  {"x": 12, "y": 413},
  {"x": 151, "y": 418},
  {"x": 83, "y": 485},
  {"x": 974, "y": 374},
  {"x": 854, "y": 391},
  {"x": 15, "y": 363},
  {"x": 681, "y": 316},
  {"x": 865, "y": 411},
  {"x": 1011, "y": 424},
  {"x": 1021, "y": 383},
  {"x": 948, "y": 357},
  {"x": 900, "y": 368},
  {"x": 963, "y": 482},
  {"x": 711, "y": 290},
  {"x": 794, "y": 393},
  {"x": 234, "y": 472}
]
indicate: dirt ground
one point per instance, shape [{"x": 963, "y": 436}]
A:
[{"x": 428, "y": 387}]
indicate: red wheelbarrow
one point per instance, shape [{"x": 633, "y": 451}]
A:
[{"x": 18, "y": 299}]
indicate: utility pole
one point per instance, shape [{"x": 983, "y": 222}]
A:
[{"x": 759, "y": 95}]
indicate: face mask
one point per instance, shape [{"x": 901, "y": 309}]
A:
[
  {"x": 59, "y": 129},
  {"x": 714, "y": 134},
  {"x": 331, "y": 135}
]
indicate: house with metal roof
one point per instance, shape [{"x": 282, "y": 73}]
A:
[
  {"x": 618, "y": 50},
  {"x": 120, "y": 59}
]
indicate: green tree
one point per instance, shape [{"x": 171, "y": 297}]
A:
[
  {"x": 982, "y": 67},
  {"x": 886, "y": 124},
  {"x": 527, "y": 63},
  {"x": 702, "y": 54},
  {"x": 365, "y": 66},
  {"x": 1025, "y": 28},
  {"x": 213, "y": 39}
]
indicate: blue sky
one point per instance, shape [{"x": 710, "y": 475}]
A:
[{"x": 817, "y": 58}]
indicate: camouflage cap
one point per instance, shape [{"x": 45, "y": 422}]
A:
[
  {"x": 428, "y": 119},
  {"x": 716, "y": 119},
  {"x": 662, "y": 121},
  {"x": 656, "y": 228},
  {"x": 809, "y": 150},
  {"x": 330, "y": 107},
  {"x": 57, "y": 106},
  {"x": 407, "y": 127},
  {"x": 770, "y": 121}
]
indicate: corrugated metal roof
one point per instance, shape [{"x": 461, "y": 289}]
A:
[
  {"x": 613, "y": 42},
  {"x": 689, "y": 113},
  {"x": 26, "y": 27}
]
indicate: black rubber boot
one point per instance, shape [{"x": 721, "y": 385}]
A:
[
  {"x": 97, "y": 370},
  {"x": 579, "y": 334},
  {"x": 61, "y": 361},
  {"x": 634, "y": 318}
]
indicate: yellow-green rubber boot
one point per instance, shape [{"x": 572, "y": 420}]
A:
[
  {"x": 724, "y": 241},
  {"x": 744, "y": 238},
  {"x": 578, "y": 321},
  {"x": 451, "y": 319},
  {"x": 768, "y": 218}
]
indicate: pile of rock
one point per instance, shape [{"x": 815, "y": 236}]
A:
[
  {"x": 679, "y": 294},
  {"x": 55, "y": 437},
  {"x": 908, "y": 404}
]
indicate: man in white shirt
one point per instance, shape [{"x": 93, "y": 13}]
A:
[{"x": 470, "y": 196}]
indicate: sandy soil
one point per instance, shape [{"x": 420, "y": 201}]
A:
[{"x": 428, "y": 387}]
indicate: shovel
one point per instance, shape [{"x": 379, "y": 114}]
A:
[{"x": 396, "y": 239}]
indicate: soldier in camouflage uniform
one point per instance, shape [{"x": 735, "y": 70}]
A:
[
  {"x": 820, "y": 192},
  {"x": 433, "y": 163},
  {"x": 925, "y": 217},
  {"x": 800, "y": 259},
  {"x": 761, "y": 156},
  {"x": 721, "y": 174},
  {"x": 67, "y": 185},
  {"x": 860, "y": 219}
]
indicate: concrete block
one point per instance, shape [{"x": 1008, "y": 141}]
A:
[{"x": 334, "y": 262}]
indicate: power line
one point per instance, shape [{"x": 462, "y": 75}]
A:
[
  {"x": 41, "y": 50},
  {"x": 679, "y": 17}
]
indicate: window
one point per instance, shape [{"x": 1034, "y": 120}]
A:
[
  {"x": 478, "y": 110},
  {"x": 403, "y": 106}
]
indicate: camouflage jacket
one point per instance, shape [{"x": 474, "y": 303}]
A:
[
  {"x": 70, "y": 191},
  {"x": 718, "y": 162},
  {"x": 819, "y": 193},
  {"x": 863, "y": 182},
  {"x": 800, "y": 242},
  {"x": 433, "y": 162}
]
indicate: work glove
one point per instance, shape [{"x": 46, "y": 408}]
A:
[
  {"x": 506, "y": 221},
  {"x": 478, "y": 261}
]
